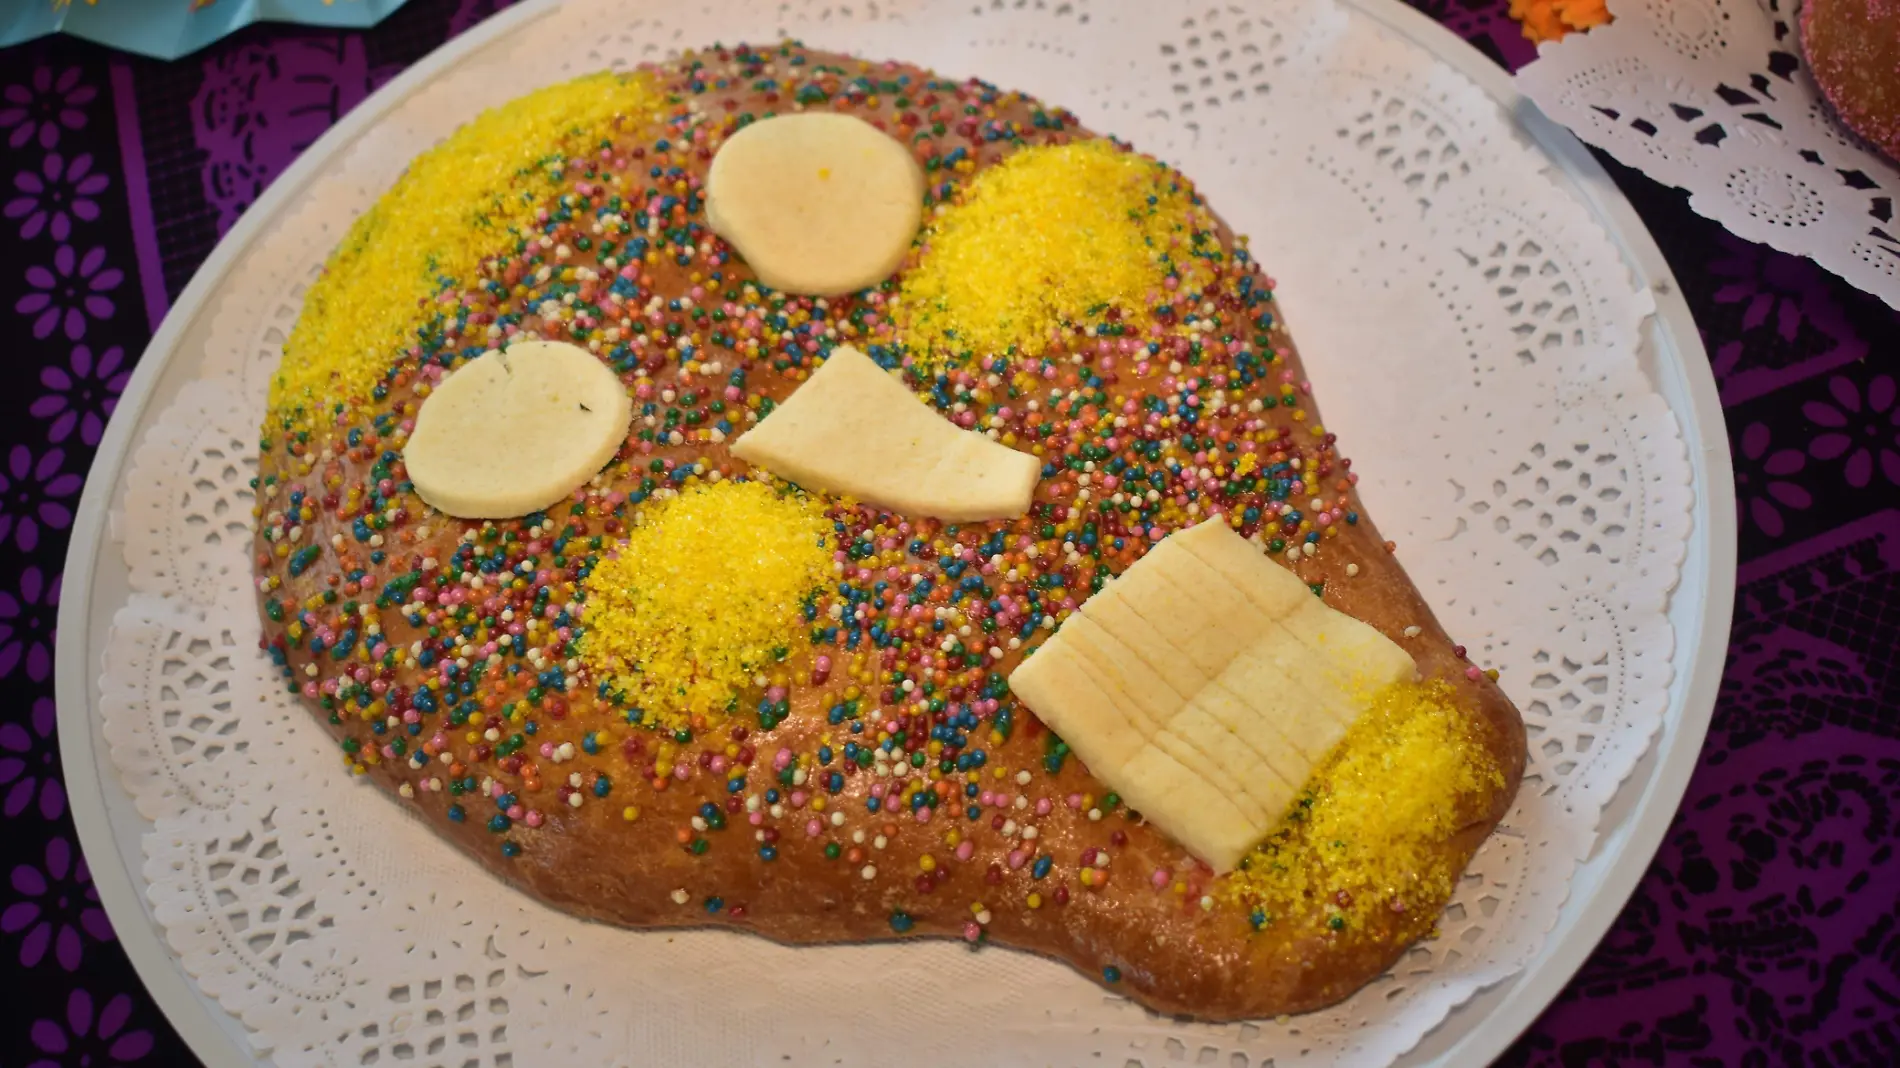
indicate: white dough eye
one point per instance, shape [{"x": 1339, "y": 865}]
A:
[
  {"x": 516, "y": 430},
  {"x": 818, "y": 204}
]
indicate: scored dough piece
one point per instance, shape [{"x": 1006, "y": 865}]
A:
[
  {"x": 1185, "y": 617},
  {"x": 1354, "y": 657},
  {"x": 1229, "y": 622},
  {"x": 1148, "y": 695},
  {"x": 1287, "y": 704},
  {"x": 1358, "y": 659},
  {"x": 516, "y": 430},
  {"x": 1138, "y": 693},
  {"x": 1229, "y": 681},
  {"x": 1273, "y": 589},
  {"x": 1236, "y": 761},
  {"x": 1062, "y": 691},
  {"x": 1285, "y": 655},
  {"x": 1250, "y": 729},
  {"x": 853, "y": 428},
  {"x": 1187, "y": 753},
  {"x": 1110, "y": 609},
  {"x": 1189, "y": 810},
  {"x": 817, "y": 203}
]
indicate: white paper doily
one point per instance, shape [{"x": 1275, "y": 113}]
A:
[
  {"x": 1712, "y": 96},
  {"x": 1473, "y": 337}
]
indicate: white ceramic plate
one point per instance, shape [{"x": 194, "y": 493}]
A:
[{"x": 1632, "y": 826}]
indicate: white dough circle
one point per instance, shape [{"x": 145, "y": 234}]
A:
[
  {"x": 818, "y": 203},
  {"x": 516, "y": 430}
]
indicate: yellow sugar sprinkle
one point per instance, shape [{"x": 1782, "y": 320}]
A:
[
  {"x": 1365, "y": 842},
  {"x": 1045, "y": 238},
  {"x": 457, "y": 204},
  {"x": 703, "y": 595}
]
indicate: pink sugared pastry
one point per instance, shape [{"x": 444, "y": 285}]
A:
[{"x": 1853, "y": 48}]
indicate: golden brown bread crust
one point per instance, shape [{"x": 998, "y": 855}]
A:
[{"x": 1170, "y": 952}]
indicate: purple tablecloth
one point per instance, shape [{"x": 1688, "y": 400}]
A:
[{"x": 1766, "y": 932}]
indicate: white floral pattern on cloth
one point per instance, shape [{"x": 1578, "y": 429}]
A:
[
  {"x": 1712, "y": 96},
  {"x": 1479, "y": 353}
]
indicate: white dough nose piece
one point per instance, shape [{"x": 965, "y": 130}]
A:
[
  {"x": 516, "y": 430},
  {"x": 853, "y": 428},
  {"x": 818, "y": 204}
]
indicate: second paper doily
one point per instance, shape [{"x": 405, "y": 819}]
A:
[{"x": 1712, "y": 96}]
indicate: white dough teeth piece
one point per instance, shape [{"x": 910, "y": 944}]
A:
[
  {"x": 1217, "y": 680},
  {"x": 1271, "y": 736},
  {"x": 1359, "y": 659},
  {"x": 1254, "y": 732},
  {"x": 1286, "y": 703},
  {"x": 1273, "y": 589},
  {"x": 1157, "y": 708},
  {"x": 1288, "y": 659},
  {"x": 817, "y": 203},
  {"x": 1210, "y": 641},
  {"x": 1189, "y": 755},
  {"x": 517, "y": 430},
  {"x": 1217, "y": 594},
  {"x": 1109, "y": 608},
  {"x": 1149, "y": 696},
  {"x": 1312, "y": 642},
  {"x": 1237, "y": 763},
  {"x": 1228, "y": 621},
  {"x": 1063, "y": 692},
  {"x": 852, "y": 428},
  {"x": 1205, "y": 821}
]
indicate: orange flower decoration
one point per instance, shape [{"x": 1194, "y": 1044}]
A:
[{"x": 1549, "y": 20}]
